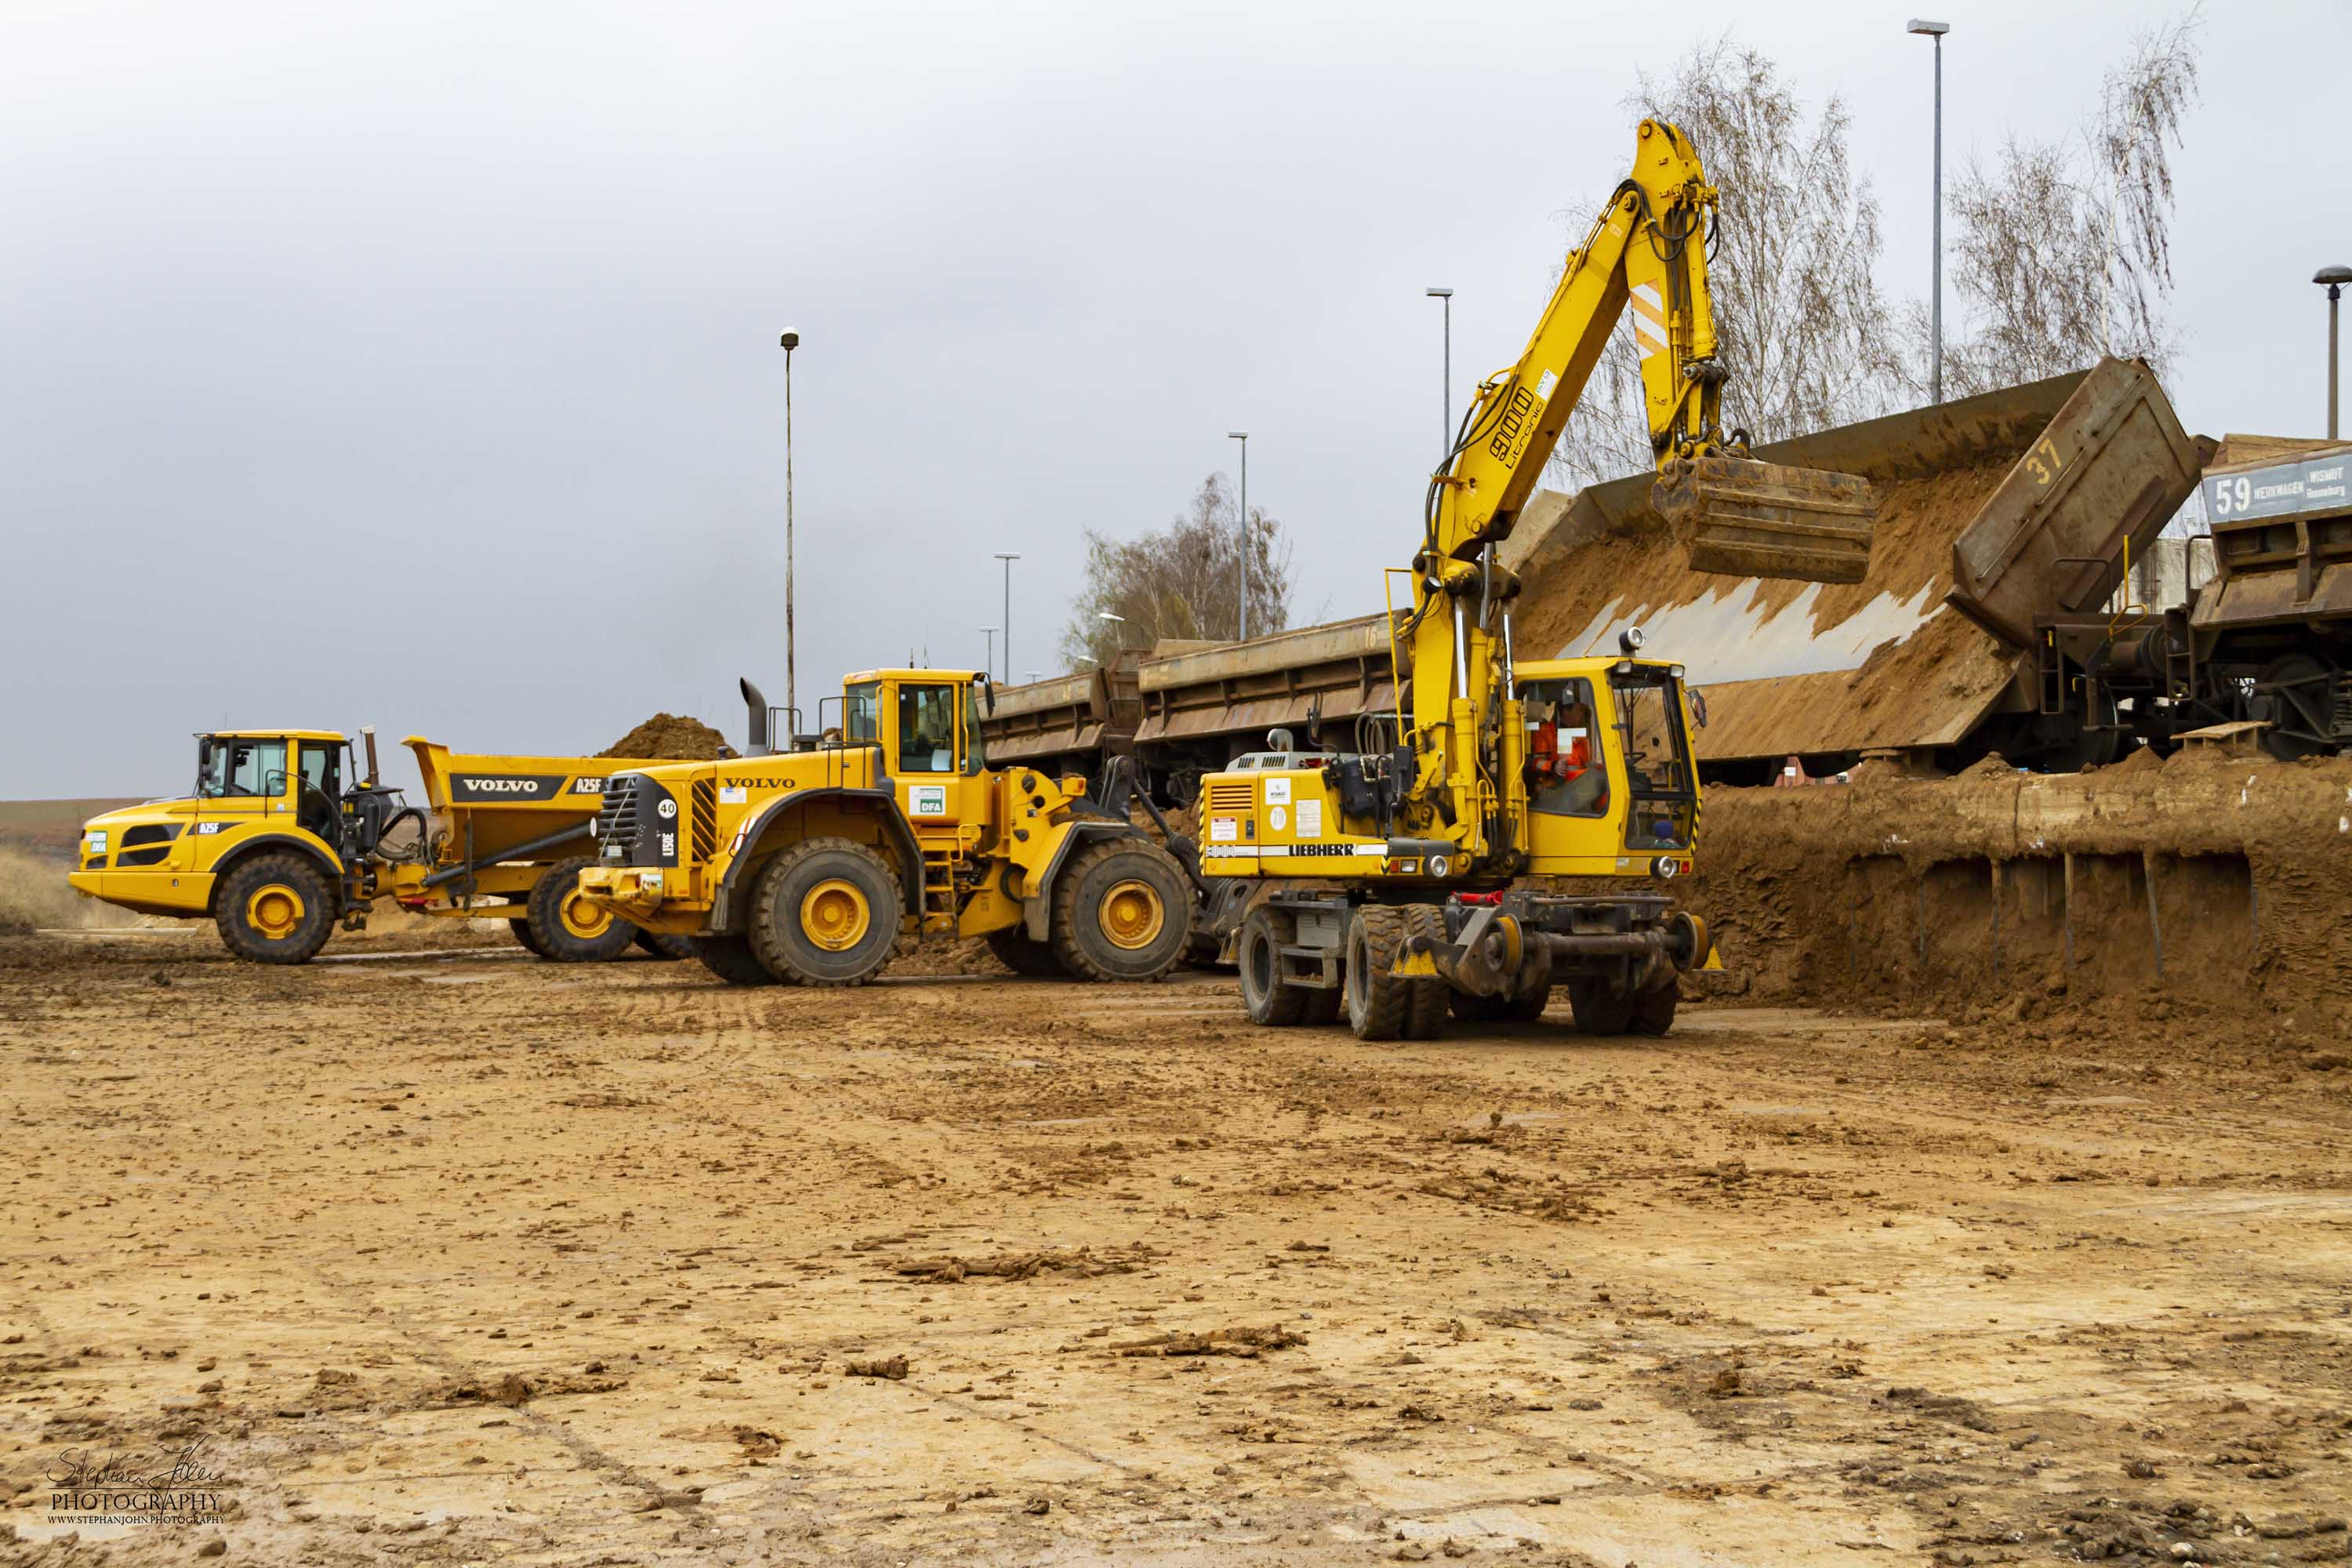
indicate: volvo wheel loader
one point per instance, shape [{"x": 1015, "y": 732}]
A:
[
  {"x": 276, "y": 848},
  {"x": 1436, "y": 875},
  {"x": 806, "y": 865}
]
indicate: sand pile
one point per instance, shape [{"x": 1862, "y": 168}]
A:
[{"x": 671, "y": 737}]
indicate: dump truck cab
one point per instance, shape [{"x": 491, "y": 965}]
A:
[
  {"x": 274, "y": 844},
  {"x": 805, "y": 864}
]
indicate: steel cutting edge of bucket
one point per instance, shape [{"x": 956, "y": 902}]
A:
[{"x": 1747, "y": 519}]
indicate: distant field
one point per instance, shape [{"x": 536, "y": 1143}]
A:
[{"x": 49, "y": 827}]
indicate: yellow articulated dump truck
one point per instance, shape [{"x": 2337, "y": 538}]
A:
[
  {"x": 804, "y": 866},
  {"x": 277, "y": 847}
]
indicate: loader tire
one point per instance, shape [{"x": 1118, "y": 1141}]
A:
[
  {"x": 1653, "y": 1011},
  {"x": 1122, "y": 910},
  {"x": 731, "y": 958},
  {"x": 826, "y": 913},
  {"x": 567, "y": 928},
  {"x": 1024, "y": 955},
  {"x": 1377, "y": 1001},
  {"x": 275, "y": 908},
  {"x": 661, "y": 945},
  {"x": 528, "y": 942},
  {"x": 1271, "y": 1005},
  {"x": 1599, "y": 1009},
  {"x": 1424, "y": 1017}
]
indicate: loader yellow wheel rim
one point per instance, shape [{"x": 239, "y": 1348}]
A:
[
  {"x": 275, "y": 911},
  {"x": 580, "y": 919},
  {"x": 1132, "y": 914},
  {"x": 835, "y": 914}
]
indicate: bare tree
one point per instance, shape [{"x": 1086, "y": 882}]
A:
[
  {"x": 1800, "y": 323},
  {"x": 1183, "y": 581},
  {"x": 2062, "y": 249}
]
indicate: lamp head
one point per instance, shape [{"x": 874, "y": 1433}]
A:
[
  {"x": 2332, "y": 275},
  {"x": 790, "y": 341},
  {"x": 1927, "y": 28}
]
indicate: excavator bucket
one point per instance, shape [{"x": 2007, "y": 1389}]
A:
[{"x": 1747, "y": 519}]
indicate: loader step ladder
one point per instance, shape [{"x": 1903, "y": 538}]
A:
[{"x": 938, "y": 882}]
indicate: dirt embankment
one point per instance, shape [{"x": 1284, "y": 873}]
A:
[
  {"x": 2214, "y": 881},
  {"x": 671, "y": 737}
]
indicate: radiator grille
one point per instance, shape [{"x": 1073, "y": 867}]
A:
[
  {"x": 616, "y": 822},
  {"x": 705, "y": 808}
]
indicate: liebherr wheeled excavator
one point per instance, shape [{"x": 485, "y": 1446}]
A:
[{"x": 1397, "y": 873}]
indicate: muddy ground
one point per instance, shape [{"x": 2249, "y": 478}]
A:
[{"x": 463, "y": 1257}]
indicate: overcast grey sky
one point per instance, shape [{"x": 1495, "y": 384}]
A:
[{"x": 416, "y": 364}]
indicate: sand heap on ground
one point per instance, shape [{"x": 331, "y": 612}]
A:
[{"x": 671, "y": 737}]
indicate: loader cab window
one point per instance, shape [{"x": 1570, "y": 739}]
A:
[
  {"x": 927, "y": 729},
  {"x": 228, "y": 768},
  {"x": 1660, "y": 783},
  {"x": 974, "y": 755},
  {"x": 1568, "y": 767},
  {"x": 862, "y": 713}
]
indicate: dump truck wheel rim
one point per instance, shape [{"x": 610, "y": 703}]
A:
[
  {"x": 1132, "y": 914},
  {"x": 275, "y": 911},
  {"x": 582, "y": 919},
  {"x": 835, "y": 915}
]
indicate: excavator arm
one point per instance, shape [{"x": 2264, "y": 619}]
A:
[{"x": 1647, "y": 250}]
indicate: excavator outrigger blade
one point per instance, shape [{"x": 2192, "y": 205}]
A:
[{"x": 1747, "y": 519}]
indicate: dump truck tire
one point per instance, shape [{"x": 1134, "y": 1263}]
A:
[
  {"x": 1653, "y": 1011},
  {"x": 1024, "y": 955},
  {"x": 1122, "y": 910},
  {"x": 1424, "y": 1017},
  {"x": 521, "y": 930},
  {"x": 661, "y": 945},
  {"x": 1271, "y": 1003},
  {"x": 731, "y": 958},
  {"x": 275, "y": 908},
  {"x": 826, "y": 913},
  {"x": 1599, "y": 1009},
  {"x": 567, "y": 927},
  {"x": 1377, "y": 1001}
]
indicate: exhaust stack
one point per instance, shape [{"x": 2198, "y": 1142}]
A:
[
  {"x": 1747, "y": 519},
  {"x": 755, "y": 727}
]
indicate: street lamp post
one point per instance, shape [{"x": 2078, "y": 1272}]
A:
[
  {"x": 1008, "y": 557},
  {"x": 2335, "y": 278},
  {"x": 1445, "y": 401},
  {"x": 790, "y": 341},
  {"x": 1936, "y": 30},
  {"x": 1242, "y": 621},
  {"x": 990, "y": 632}
]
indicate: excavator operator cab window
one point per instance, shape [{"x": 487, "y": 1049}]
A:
[
  {"x": 1568, "y": 768},
  {"x": 927, "y": 729},
  {"x": 228, "y": 766},
  {"x": 1660, "y": 781}
]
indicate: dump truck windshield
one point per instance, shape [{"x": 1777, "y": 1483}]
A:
[
  {"x": 226, "y": 767},
  {"x": 1660, "y": 783}
]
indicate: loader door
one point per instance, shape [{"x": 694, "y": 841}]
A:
[{"x": 936, "y": 765}]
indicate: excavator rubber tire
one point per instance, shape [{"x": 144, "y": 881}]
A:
[
  {"x": 568, "y": 929},
  {"x": 826, "y": 913},
  {"x": 1271, "y": 1005},
  {"x": 1424, "y": 1017},
  {"x": 275, "y": 908},
  {"x": 1653, "y": 1011},
  {"x": 1377, "y": 1001},
  {"x": 521, "y": 930},
  {"x": 730, "y": 958},
  {"x": 1122, "y": 910},
  {"x": 1323, "y": 1004},
  {"x": 1024, "y": 954},
  {"x": 1599, "y": 1009},
  {"x": 658, "y": 944}
]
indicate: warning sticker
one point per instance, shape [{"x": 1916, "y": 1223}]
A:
[
  {"x": 1224, "y": 829},
  {"x": 1310, "y": 819}
]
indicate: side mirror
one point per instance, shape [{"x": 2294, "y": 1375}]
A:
[{"x": 988, "y": 696}]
